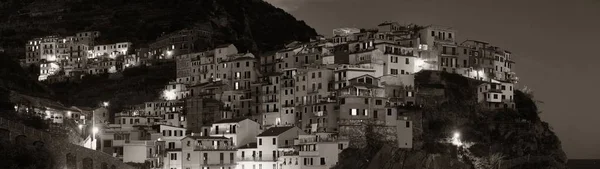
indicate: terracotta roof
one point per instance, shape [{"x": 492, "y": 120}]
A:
[
  {"x": 275, "y": 131},
  {"x": 369, "y": 86}
]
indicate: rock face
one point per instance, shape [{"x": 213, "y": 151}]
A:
[
  {"x": 252, "y": 25},
  {"x": 494, "y": 139}
]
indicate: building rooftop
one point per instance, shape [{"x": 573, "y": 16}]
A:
[
  {"x": 224, "y": 45},
  {"x": 275, "y": 131},
  {"x": 249, "y": 145},
  {"x": 236, "y": 120},
  {"x": 205, "y": 137}
]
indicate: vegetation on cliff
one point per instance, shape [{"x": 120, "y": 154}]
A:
[
  {"x": 252, "y": 25},
  {"x": 493, "y": 139}
]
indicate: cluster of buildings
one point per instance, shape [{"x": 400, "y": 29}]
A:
[
  {"x": 298, "y": 107},
  {"x": 71, "y": 57},
  {"x": 60, "y": 58}
]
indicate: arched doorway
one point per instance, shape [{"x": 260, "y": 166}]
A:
[
  {"x": 71, "y": 161},
  {"x": 88, "y": 163}
]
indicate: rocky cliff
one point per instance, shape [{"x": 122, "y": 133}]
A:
[
  {"x": 252, "y": 25},
  {"x": 498, "y": 139}
]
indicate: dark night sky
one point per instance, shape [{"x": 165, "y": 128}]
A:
[{"x": 553, "y": 43}]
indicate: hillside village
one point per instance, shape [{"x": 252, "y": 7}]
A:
[{"x": 298, "y": 107}]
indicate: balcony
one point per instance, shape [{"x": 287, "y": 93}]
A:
[
  {"x": 285, "y": 77},
  {"x": 342, "y": 79},
  {"x": 313, "y": 91},
  {"x": 287, "y": 105},
  {"x": 291, "y": 153},
  {"x": 215, "y": 148},
  {"x": 227, "y": 131},
  {"x": 320, "y": 113},
  {"x": 256, "y": 159},
  {"x": 273, "y": 111},
  {"x": 269, "y": 92},
  {"x": 202, "y": 71},
  {"x": 319, "y": 139},
  {"x": 270, "y": 100},
  {"x": 308, "y": 153}
]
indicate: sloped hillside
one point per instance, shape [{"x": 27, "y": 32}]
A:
[
  {"x": 493, "y": 139},
  {"x": 252, "y": 25},
  {"x": 133, "y": 86}
]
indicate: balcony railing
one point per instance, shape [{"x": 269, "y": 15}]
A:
[
  {"x": 222, "y": 132},
  {"x": 273, "y": 111},
  {"x": 313, "y": 91},
  {"x": 214, "y": 148},
  {"x": 287, "y": 105},
  {"x": 321, "y": 139},
  {"x": 320, "y": 113},
  {"x": 291, "y": 153},
  {"x": 255, "y": 159},
  {"x": 270, "y": 100}
]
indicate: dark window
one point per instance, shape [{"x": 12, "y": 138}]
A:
[
  {"x": 260, "y": 141},
  {"x": 322, "y": 161}
]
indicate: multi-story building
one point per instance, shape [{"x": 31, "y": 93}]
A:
[
  {"x": 320, "y": 150},
  {"x": 360, "y": 101},
  {"x": 206, "y": 152},
  {"x": 345, "y": 31},
  {"x": 200, "y": 112},
  {"x": 343, "y": 73},
  {"x": 496, "y": 94},
  {"x": 241, "y": 130},
  {"x": 313, "y": 87},
  {"x": 32, "y": 53},
  {"x": 111, "y": 50},
  {"x": 269, "y": 146},
  {"x": 177, "y": 43},
  {"x": 270, "y": 99}
]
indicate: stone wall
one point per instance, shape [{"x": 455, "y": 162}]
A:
[{"x": 65, "y": 154}]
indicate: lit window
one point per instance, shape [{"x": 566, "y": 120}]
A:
[
  {"x": 366, "y": 112},
  {"x": 237, "y": 85},
  {"x": 353, "y": 112}
]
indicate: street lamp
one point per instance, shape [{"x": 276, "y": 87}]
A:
[
  {"x": 95, "y": 130},
  {"x": 105, "y": 104},
  {"x": 456, "y": 139}
]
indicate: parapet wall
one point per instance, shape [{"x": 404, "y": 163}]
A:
[{"x": 65, "y": 154}]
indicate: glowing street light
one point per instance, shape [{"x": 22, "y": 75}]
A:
[
  {"x": 169, "y": 95},
  {"x": 105, "y": 104},
  {"x": 456, "y": 139},
  {"x": 80, "y": 126},
  {"x": 95, "y": 130}
]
